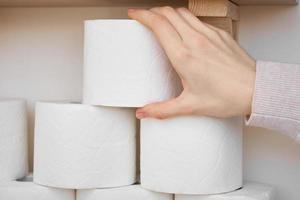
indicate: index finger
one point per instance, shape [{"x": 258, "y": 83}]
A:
[{"x": 166, "y": 34}]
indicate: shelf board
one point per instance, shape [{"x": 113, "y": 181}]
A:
[
  {"x": 133, "y": 3},
  {"x": 104, "y": 3},
  {"x": 265, "y": 2}
]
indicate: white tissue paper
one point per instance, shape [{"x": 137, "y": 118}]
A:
[
  {"x": 125, "y": 66},
  {"x": 133, "y": 192},
  {"x": 28, "y": 178},
  {"x": 81, "y": 147},
  {"x": 250, "y": 191},
  {"x": 13, "y": 139},
  {"x": 191, "y": 155},
  {"x": 26, "y": 190}
]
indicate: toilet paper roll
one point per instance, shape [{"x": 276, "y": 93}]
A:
[
  {"x": 28, "y": 178},
  {"x": 80, "y": 146},
  {"x": 191, "y": 155},
  {"x": 125, "y": 66},
  {"x": 133, "y": 192},
  {"x": 27, "y": 190},
  {"x": 13, "y": 139},
  {"x": 250, "y": 191}
]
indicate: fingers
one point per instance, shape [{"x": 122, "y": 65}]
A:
[
  {"x": 181, "y": 26},
  {"x": 194, "y": 22},
  {"x": 162, "y": 28},
  {"x": 162, "y": 110},
  {"x": 215, "y": 35}
]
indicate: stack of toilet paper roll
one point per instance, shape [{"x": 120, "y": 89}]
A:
[
  {"x": 125, "y": 66},
  {"x": 14, "y": 184},
  {"x": 13, "y": 139},
  {"x": 91, "y": 147}
]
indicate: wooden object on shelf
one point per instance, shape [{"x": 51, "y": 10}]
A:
[
  {"x": 222, "y": 14},
  {"x": 265, "y": 2},
  {"x": 214, "y": 8},
  {"x": 235, "y": 30}
]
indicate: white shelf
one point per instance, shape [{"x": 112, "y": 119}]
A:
[
  {"x": 104, "y": 3},
  {"x": 30, "y": 3},
  {"x": 265, "y": 2}
]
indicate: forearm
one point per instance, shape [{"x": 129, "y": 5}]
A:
[{"x": 276, "y": 100}]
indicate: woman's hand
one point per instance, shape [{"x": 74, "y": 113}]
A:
[{"x": 217, "y": 75}]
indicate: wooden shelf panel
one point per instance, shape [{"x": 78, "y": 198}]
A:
[
  {"x": 133, "y": 3},
  {"x": 108, "y": 3},
  {"x": 265, "y": 2}
]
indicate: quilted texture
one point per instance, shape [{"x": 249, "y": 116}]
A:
[
  {"x": 125, "y": 66},
  {"x": 79, "y": 146},
  {"x": 13, "y": 139},
  {"x": 191, "y": 155}
]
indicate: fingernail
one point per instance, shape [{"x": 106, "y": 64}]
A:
[{"x": 140, "y": 114}]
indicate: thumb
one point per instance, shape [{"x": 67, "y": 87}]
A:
[{"x": 162, "y": 110}]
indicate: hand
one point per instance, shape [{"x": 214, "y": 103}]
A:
[{"x": 217, "y": 75}]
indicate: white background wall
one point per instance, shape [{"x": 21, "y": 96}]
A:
[
  {"x": 272, "y": 33},
  {"x": 41, "y": 53},
  {"x": 41, "y": 59}
]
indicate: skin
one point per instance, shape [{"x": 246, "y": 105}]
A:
[{"x": 217, "y": 75}]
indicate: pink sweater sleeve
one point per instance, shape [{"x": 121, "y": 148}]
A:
[{"x": 276, "y": 100}]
